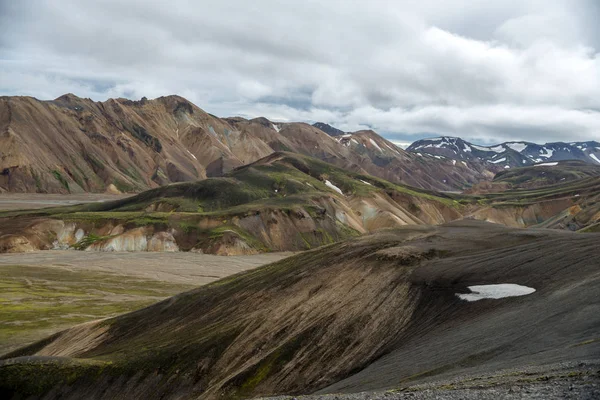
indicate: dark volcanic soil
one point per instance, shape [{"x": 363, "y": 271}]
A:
[{"x": 377, "y": 313}]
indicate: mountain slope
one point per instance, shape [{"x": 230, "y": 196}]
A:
[
  {"x": 509, "y": 154},
  {"x": 377, "y": 312},
  {"x": 287, "y": 201},
  {"x": 284, "y": 201},
  {"x": 363, "y": 151},
  {"x": 328, "y": 129},
  {"x": 537, "y": 176},
  {"x": 73, "y": 145}
]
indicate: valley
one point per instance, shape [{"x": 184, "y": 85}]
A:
[
  {"x": 45, "y": 292},
  {"x": 287, "y": 259}
]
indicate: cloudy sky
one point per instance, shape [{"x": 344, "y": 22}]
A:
[{"x": 488, "y": 71}]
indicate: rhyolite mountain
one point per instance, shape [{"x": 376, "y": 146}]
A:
[
  {"x": 72, "y": 144},
  {"x": 509, "y": 154}
]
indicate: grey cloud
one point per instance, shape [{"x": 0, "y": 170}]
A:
[{"x": 484, "y": 70}]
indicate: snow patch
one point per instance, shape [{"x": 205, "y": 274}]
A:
[
  {"x": 548, "y": 164},
  {"x": 595, "y": 158},
  {"x": 548, "y": 153},
  {"x": 499, "y": 160},
  {"x": 191, "y": 155},
  {"x": 518, "y": 147},
  {"x": 365, "y": 182},
  {"x": 499, "y": 291},
  {"x": 332, "y": 186},
  {"x": 376, "y": 145},
  {"x": 276, "y": 127}
]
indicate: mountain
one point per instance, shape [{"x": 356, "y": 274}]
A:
[
  {"x": 328, "y": 129},
  {"x": 76, "y": 145},
  {"x": 386, "y": 311},
  {"x": 73, "y": 145},
  {"x": 508, "y": 154},
  {"x": 284, "y": 201},
  {"x": 537, "y": 176}
]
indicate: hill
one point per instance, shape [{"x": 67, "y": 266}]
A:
[
  {"x": 383, "y": 311},
  {"x": 284, "y": 201},
  {"x": 537, "y": 176}
]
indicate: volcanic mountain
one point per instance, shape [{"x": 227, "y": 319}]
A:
[
  {"x": 379, "y": 312},
  {"x": 509, "y": 154},
  {"x": 75, "y": 145}
]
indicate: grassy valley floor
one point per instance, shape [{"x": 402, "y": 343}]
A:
[{"x": 44, "y": 292}]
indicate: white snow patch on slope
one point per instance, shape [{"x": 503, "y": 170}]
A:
[
  {"x": 376, "y": 145},
  {"x": 332, "y": 186},
  {"x": 547, "y": 164},
  {"x": 365, "y": 182},
  {"x": 499, "y": 291},
  {"x": 518, "y": 147},
  {"x": 480, "y": 147},
  {"x": 595, "y": 158},
  {"x": 498, "y": 161},
  {"x": 191, "y": 154},
  {"x": 276, "y": 127},
  {"x": 548, "y": 153}
]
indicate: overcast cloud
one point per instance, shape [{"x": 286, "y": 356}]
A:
[{"x": 488, "y": 71}]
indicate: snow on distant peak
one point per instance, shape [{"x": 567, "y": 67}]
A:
[
  {"x": 548, "y": 164},
  {"x": 498, "y": 161},
  {"x": 276, "y": 127},
  {"x": 517, "y": 146}
]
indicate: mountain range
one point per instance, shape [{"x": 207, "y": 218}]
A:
[
  {"x": 73, "y": 145},
  {"x": 509, "y": 154}
]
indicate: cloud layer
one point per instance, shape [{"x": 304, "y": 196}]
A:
[{"x": 488, "y": 71}]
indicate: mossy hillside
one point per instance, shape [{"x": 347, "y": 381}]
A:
[{"x": 34, "y": 380}]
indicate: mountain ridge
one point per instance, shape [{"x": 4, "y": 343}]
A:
[
  {"x": 75, "y": 145},
  {"x": 506, "y": 155}
]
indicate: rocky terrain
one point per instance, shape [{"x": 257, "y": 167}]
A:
[
  {"x": 507, "y": 155},
  {"x": 388, "y": 311},
  {"x": 75, "y": 145}
]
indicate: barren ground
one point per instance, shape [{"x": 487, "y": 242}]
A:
[{"x": 17, "y": 201}]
